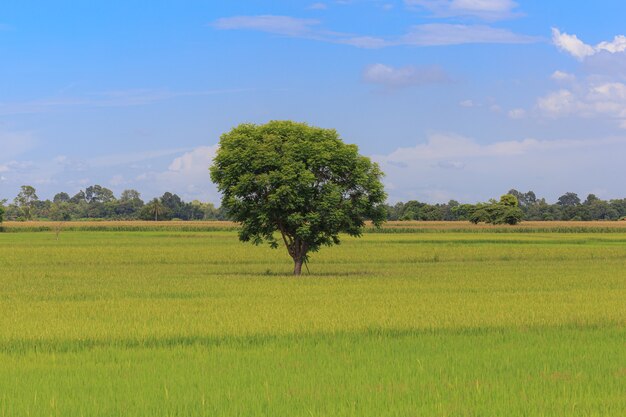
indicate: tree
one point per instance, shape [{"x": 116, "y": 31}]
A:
[
  {"x": 79, "y": 197},
  {"x": 154, "y": 209},
  {"x": 2, "y": 210},
  {"x": 174, "y": 205},
  {"x": 130, "y": 195},
  {"x": 569, "y": 200},
  {"x": 98, "y": 194},
  {"x": 591, "y": 198},
  {"x": 60, "y": 212},
  {"x": 129, "y": 204},
  {"x": 61, "y": 198},
  {"x": 26, "y": 200},
  {"x": 524, "y": 199},
  {"x": 505, "y": 211},
  {"x": 206, "y": 211},
  {"x": 569, "y": 204},
  {"x": 299, "y": 181}
]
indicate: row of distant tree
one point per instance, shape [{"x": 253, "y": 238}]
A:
[
  {"x": 97, "y": 202},
  {"x": 568, "y": 207}
]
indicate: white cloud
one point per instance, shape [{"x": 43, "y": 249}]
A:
[
  {"x": 432, "y": 34},
  {"x": 601, "y": 95},
  {"x": 280, "y": 25},
  {"x": 365, "y": 42},
  {"x": 559, "y": 103},
  {"x": 195, "y": 161},
  {"x": 571, "y": 44},
  {"x": 517, "y": 113},
  {"x": 450, "y": 146},
  {"x": 562, "y": 76},
  {"x": 318, "y": 6},
  {"x": 604, "y": 100},
  {"x": 484, "y": 9},
  {"x": 468, "y": 103},
  {"x": 185, "y": 168},
  {"x": 132, "y": 157},
  {"x": 391, "y": 77},
  {"x": 454, "y": 166},
  {"x": 453, "y": 34},
  {"x": 618, "y": 44},
  {"x": 187, "y": 175},
  {"x": 14, "y": 166},
  {"x": 580, "y": 50}
]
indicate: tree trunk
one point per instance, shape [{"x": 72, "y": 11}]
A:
[{"x": 297, "y": 267}]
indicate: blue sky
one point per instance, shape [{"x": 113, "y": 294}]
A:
[{"x": 460, "y": 99}]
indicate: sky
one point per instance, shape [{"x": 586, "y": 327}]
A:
[{"x": 455, "y": 99}]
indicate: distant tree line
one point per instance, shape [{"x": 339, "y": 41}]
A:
[
  {"x": 568, "y": 207},
  {"x": 97, "y": 202}
]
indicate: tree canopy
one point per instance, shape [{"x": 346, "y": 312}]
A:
[{"x": 301, "y": 182}]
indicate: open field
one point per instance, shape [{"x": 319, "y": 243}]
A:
[{"x": 171, "y": 322}]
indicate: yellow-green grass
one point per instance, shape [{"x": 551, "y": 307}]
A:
[{"x": 174, "y": 323}]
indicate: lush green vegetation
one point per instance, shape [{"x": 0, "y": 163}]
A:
[
  {"x": 299, "y": 182},
  {"x": 174, "y": 323},
  {"x": 568, "y": 207},
  {"x": 97, "y": 202}
]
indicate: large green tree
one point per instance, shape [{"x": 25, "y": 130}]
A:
[{"x": 297, "y": 182}]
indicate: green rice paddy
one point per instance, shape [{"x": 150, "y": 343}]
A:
[{"x": 195, "y": 323}]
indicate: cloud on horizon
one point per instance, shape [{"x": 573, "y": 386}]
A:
[
  {"x": 187, "y": 174},
  {"x": 454, "y": 166},
  {"x": 446, "y": 166}
]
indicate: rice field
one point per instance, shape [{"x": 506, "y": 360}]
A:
[{"x": 456, "y": 320}]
